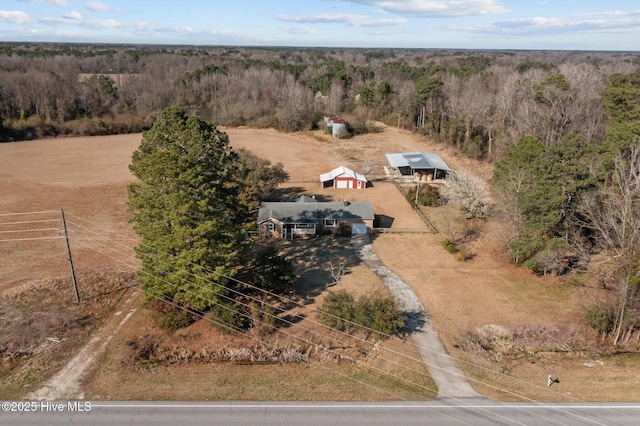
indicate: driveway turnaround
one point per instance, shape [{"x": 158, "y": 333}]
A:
[{"x": 450, "y": 380}]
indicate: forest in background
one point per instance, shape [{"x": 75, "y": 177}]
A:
[
  {"x": 479, "y": 101},
  {"x": 562, "y": 127}
]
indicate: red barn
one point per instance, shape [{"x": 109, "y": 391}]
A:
[{"x": 342, "y": 177}]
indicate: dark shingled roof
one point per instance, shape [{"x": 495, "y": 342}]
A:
[{"x": 304, "y": 211}]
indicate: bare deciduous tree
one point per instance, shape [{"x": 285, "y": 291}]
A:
[
  {"x": 337, "y": 271},
  {"x": 469, "y": 192},
  {"x": 613, "y": 213}
]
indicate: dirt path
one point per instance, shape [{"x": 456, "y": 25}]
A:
[
  {"x": 66, "y": 384},
  {"x": 450, "y": 380}
]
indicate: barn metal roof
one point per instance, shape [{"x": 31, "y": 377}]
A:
[
  {"x": 341, "y": 171},
  {"x": 417, "y": 160},
  {"x": 311, "y": 212}
]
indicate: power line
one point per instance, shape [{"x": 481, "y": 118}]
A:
[
  {"x": 238, "y": 330},
  {"x": 31, "y": 239},
  {"x": 30, "y": 221},
  {"x": 281, "y": 298},
  {"x": 355, "y": 361},
  {"x": 29, "y": 230},
  {"x": 290, "y": 323},
  {"x": 287, "y": 300},
  {"x": 30, "y": 213},
  {"x": 295, "y": 325}
]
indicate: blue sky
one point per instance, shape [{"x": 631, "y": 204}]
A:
[{"x": 467, "y": 24}]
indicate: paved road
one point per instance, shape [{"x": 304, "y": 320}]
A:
[
  {"x": 450, "y": 380},
  {"x": 439, "y": 412}
]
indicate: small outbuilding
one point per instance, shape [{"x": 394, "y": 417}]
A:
[
  {"x": 338, "y": 126},
  {"x": 423, "y": 165},
  {"x": 343, "y": 177}
]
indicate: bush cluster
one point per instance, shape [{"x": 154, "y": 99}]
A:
[
  {"x": 429, "y": 196},
  {"x": 370, "y": 315}
]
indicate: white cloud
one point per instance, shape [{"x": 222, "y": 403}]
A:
[
  {"x": 323, "y": 18},
  {"x": 300, "y": 30},
  {"x": 613, "y": 13},
  {"x": 545, "y": 26},
  {"x": 381, "y": 22},
  {"x": 73, "y": 15},
  {"x": 53, "y": 2},
  {"x": 14, "y": 17},
  {"x": 433, "y": 9},
  {"x": 341, "y": 18},
  {"x": 97, "y": 6}
]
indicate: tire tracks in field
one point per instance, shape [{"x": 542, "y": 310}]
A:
[{"x": 66, "y": 384}]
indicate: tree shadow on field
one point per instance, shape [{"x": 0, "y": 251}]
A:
[
  {"x": 414, "y": 320},
  {"x": 312, "y": 259},
  {"x": 292, "y": 194}
]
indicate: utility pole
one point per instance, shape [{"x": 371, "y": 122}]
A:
[{"x": 73, "y": 272}]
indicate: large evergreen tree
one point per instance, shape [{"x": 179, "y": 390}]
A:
[
  {"x": 185, "y": 210},
  {"x": 543, "y": 184}
]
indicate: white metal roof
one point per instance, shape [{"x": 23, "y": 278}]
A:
[
  {"x": 417, "y": 160},
  {"x": 341, "y": 171}
]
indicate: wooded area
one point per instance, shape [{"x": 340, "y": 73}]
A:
[
  {"x": 480, "y": 102},
  {"x": 562, "y": 127}
]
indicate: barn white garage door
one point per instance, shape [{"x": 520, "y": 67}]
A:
[
  {"x": 358, "y": 228},
  {"x": 342, "y": 183}
]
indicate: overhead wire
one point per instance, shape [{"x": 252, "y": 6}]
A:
[
  {"x": 30, "y": 213},
  {"x": 31, "y": 239},
  {"x": 291, "y": 301},
  {"x": 29, "y": 221},
  {"x": 245, "y": 305},
  {"x": 587, "y": 420},
  {"x": 30, "y": 230},
  {"x": 320, "y": 364},
  {"x": 485, "y": 384}
]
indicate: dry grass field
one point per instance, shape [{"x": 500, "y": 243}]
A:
[{"x": 507, "y": 328}]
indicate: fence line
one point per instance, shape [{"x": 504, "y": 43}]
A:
[
  {"x": 400, "y": 231},
  {"x": 419, "y": 212},
  {"x": 370, "y": 178},
  {"x": 303, "y": 180}
]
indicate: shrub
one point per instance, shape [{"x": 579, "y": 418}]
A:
[
  {"x": 429, "y": 196},
  {"x": 600, "y": 317},
  {"x": 369, "y": 314},
  {"x": 175, "y": 320},
  {"x": 337, "y": 310},
  {"x": 344, "y": 230},
  {"x": 226, "y": 318},
  {"x": 449, "y": 245}
]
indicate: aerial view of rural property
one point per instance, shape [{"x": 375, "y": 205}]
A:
[{"x": 322, "y": 212}]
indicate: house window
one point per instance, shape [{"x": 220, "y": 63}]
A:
[
  {"x": 330, "y": 223},
  {"x": 271, "y": 227}
]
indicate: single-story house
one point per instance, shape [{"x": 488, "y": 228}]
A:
[
  {"x": 343, "y": 177},
  {"x": 427, "y": 165},
  {"x": 337, "y": 124},
  {"x": 306, "y": 217}
]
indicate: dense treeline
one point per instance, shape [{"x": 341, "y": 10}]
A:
[{"x": 480, "y": 102}]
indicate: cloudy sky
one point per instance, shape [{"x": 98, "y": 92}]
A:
[{"x": 469, "y": 24}]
